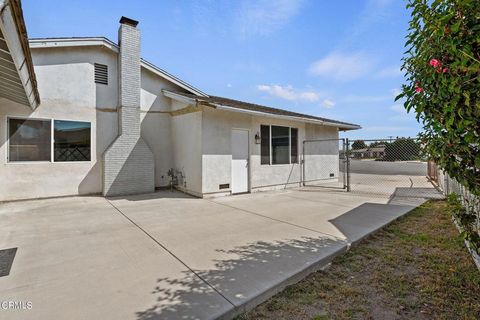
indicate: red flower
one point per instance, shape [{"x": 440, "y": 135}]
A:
[
  {"x": 418, "y": 89},
  {"x": 445, "y": 70},
  {"x": 435, "y": 63}
]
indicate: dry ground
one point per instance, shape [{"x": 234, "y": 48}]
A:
[{"x": 416, "y": 268}]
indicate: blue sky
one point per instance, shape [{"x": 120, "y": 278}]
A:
[{"x": 336, "y": 59}]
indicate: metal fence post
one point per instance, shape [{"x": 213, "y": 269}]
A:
[
  {"x": 303, "y": 163},
  {"x": 347, "y": 158}
]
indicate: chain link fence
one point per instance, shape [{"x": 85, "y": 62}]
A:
[
  {"x": 388, "y": 167},
  {"x": 469, "y": 201},
  {"x": 381, "y": 167}
]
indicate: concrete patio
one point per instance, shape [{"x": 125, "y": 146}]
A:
[{"x": 170, "y": 256}]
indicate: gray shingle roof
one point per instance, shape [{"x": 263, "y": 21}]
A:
[{"x": 259, "y": 108}]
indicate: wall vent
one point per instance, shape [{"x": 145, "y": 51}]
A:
[
  {"x": 332, "y": 175},
  {"x": 101, "y": 73},
  {"x": 224, "y": 186}
]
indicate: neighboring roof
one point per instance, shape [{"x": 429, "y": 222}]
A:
[
  {"x": 370, "y": 149},
  {"x": 17, "y": 76},
  {"x": 102, "y": 41},
  {"x": 259, "y": 109}
]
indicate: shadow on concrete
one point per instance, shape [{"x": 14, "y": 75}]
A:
[
  {"x": 248, "y": 275},
  {"x": 367, "y": 218},
  {"x": 425, "y": 193}
]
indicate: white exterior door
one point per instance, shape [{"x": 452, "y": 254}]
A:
[{"x": 239, "y": 161}]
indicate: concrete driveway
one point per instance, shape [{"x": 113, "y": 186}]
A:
[{"x": 170, "y": 256}]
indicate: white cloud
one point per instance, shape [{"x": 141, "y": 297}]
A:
[
  {"x": 396, "y": 92},
  {"x": 289, "y": 93},
  {"x": 387, "y": 129},
  {"x": 343, "y": 66},
  {"x": 365, "y": 99},
  {"x": 328, "y": 103},
  {"x": 389, "y": 72},
  {"x": 263, "y": 17},
  {"x": 229, "y": 85},
  {"x": 398, "y": 108},
  {"x": 401, "y": 113}
]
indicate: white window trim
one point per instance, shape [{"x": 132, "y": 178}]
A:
[
  {"x": 289, "y": 146},
  {"x": 52, "y": 141}
]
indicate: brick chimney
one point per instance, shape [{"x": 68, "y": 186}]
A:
[{"x": 128, "y": 164}]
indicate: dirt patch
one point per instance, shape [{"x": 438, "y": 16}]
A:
[{"x": 416, "y": 268}]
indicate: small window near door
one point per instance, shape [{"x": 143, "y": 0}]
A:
[
  {"x": 29, "y": 140},
  {"x": 71, "y": 141},
  {"x": 265, "y": 144}
]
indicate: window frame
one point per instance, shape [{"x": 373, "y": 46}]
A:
[
  {"x": 289, "y": 146},
  {"x": 52, "y": 141}
]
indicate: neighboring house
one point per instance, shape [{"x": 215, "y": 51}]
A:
[
  {"x": 375, "y": 152},
  {"x": 110, "y": 122}
]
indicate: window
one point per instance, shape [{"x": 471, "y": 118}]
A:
[
  {"x": 279, "y": 145},
  {"x": 101, "y": 73},
  {"x": 29, "y": 140},
  {"x": 71, "y": 141},
  {"x": 32, "y": 140}
]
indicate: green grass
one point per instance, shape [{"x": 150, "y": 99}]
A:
[{"x": 415, "y": 268}]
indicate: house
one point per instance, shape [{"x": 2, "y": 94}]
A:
[
  {"x": 374, "y": 152},
  {"x": 90, "y": 116}
]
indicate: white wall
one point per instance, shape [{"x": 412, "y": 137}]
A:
[
  {"x": 321, "y": 158},
  {"x": 187, "y": 151},
  {"x": 156, "y": 127},
  {"x": 216, "y": 168},
  {"x": 68, "y": 92}
]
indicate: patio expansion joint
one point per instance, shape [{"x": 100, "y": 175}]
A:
[
  {"x": 278, "y": 220},
  {"x": 170, "y": 253}
]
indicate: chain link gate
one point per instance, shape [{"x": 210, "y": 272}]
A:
[
  {"x": 325, "y": 163},
  {"x": 380, "y": 167}
]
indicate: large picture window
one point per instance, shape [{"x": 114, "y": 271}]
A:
[
  {"x": 29, "y": 140},
  {"x": 279, "y": 145},
  {"x": 32, "y": 140},
  {"x": 71, "y": 141}
]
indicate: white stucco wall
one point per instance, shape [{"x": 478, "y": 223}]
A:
[
  {"x": 187, "y": 151},
  {"x": 321, "y": 158},
  {"x": 68, "y": 92},
  {"x": 156, "y": 127},
  {"x": 216, "y": 157}
]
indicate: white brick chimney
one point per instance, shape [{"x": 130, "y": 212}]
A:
[{"x": 128, "y": 164}]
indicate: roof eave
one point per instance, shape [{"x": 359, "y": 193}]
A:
[
  {"x": 287, "y": 117},
  {"x": 73, "y": 42},
  {"x": 182, "y": 98},
  {"x": 19, "y": 83}
]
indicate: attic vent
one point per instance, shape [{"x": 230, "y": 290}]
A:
[{"x": 101, "y": 73}]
